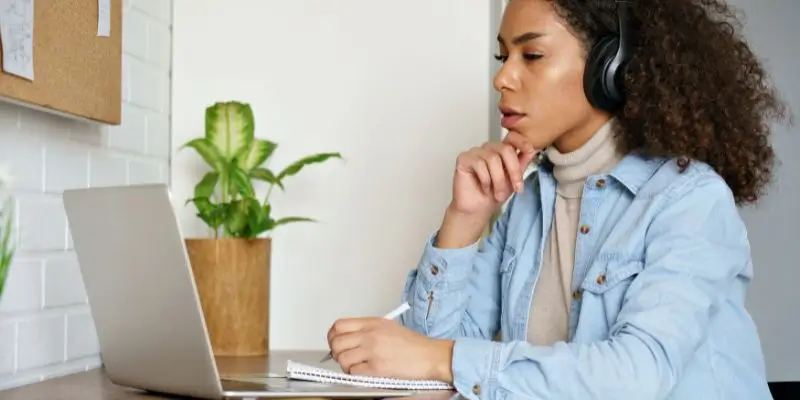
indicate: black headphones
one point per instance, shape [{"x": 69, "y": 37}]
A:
[{"x": 605, "y": 64}]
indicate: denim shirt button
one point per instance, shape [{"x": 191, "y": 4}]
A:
[
  {"x": 584, "y": 229},
  {"x": 476, "y": 389},
  {"x": 600, "y": 183},
  {"x": 601, "y": 279},
  {"x": 682, "y": 162},
  {"x": 576, "y": 295},
  {"x": 434, "y": 270}
]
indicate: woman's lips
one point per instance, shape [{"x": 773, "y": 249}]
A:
[
  {"x": 509, "y": 120},
  {"x": 510, "y": 116}
]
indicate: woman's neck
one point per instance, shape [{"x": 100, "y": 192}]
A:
[
  {"x": 577, "y": 137},
  {"x": 598, "y": 154}
]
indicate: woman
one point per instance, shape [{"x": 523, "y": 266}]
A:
[{"x": 618, "y": 269}]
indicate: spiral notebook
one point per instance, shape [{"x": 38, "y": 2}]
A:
[{"x": 299, "y": 371}]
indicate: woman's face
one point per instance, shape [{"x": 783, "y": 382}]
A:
[{"x": 541, "y": 79}]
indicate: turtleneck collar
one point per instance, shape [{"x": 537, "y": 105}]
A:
[{"x": 599, "y": 154}]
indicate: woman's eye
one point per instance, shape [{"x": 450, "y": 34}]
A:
[
  {"x": 526, "y": 57},
  {"x": 532, "y": 57}
]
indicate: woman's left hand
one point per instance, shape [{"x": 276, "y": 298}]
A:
[{"x": 380, "y": 347}]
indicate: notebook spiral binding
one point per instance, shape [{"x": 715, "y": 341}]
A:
[{"x": 300, "y": 371}]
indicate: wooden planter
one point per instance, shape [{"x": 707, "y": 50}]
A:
[{"x": 232, "y": 277}]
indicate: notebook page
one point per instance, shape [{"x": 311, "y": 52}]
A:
[{"x": 300, "y": 371}]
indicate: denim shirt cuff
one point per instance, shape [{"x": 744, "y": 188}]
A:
[
  {"x": 451, "y": 266},
  {"x": 475, "y": 363}
]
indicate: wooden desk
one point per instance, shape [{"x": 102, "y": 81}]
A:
[{"x": 94, "y": 385}]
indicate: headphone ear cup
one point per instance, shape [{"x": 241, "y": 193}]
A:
[{"x": 594, "y": 78}]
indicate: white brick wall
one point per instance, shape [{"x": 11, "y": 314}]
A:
[{"x": 46, "y": 329}]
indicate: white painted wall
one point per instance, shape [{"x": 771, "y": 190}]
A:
[
  {"x": 399, "y": 87},
  {"x": 46, "y": 329}
]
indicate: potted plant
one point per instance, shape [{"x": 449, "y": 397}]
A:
[
  {"x": 231, "y": 268},
  {"x": 6, "y": 232}
]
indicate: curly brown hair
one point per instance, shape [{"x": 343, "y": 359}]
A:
[{"x": 694, "y": 87}]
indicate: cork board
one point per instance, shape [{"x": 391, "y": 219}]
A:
[{"x": 76, "y": 72}]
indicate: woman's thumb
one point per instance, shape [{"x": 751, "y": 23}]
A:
[{"x": 525, "y": 158}]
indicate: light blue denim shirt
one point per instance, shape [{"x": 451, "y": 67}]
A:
[{"x": 662, "y": 263}]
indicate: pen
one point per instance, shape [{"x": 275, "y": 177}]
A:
[{"x": 391, "y": 315}]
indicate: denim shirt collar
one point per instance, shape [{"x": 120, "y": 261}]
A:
[{"x": 633, "y": 171}]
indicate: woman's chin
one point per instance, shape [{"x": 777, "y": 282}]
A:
[{"x": 537, "y": 140}]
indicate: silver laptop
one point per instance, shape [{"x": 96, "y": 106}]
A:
[{"x": 143, "y": 299}]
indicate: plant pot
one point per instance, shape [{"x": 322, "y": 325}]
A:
[{"x": 232, "y": 278}]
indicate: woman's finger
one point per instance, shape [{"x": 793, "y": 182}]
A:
[
  {"x": 349, "y": 325},
  {"x": 345, "y": 342},
  {"x": 479, "y": 168},
  {"x": 366, "y": 368},
  {"x": 500, "y": 183},
  {"x": 526, "y": 158},
  {"x": 351, "y": 358},
  {"x": 510, "y": 162}
]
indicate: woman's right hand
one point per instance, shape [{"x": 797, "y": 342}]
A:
[{"x": 485, "y": 177}]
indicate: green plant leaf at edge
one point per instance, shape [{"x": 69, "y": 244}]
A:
[
  {"x": 5, "y": 263},
  {"x": 255, "y": 154},
  {"x": 288, "y": 220},
  {"x": 298, "y": 165},
  {"x": 230, "y": 127},
  {"x": 6, "y": 247},
  {"x": 266, "y": 175},
  {"x": 208, "y": 152}
]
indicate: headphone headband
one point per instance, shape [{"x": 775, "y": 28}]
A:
[
  {"x": 614, "y": 72},
  {"x": 624, "y": 18}
]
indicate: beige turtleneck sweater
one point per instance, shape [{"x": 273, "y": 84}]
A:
[{"x": 549, "y": 318}]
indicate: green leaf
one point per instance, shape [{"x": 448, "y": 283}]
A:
[
  {"x": 205, "y": 188},
  {"x": 236, "y": 219},
  {"x": 267, "y": 210},
  {"x": 265, "y": 175},
  {"x": 259, "y": 221},
  {"x": 298, "y": 165},
  {"x": 199, "y": 202},
  {"x": 3, "y": 275},
  {"x": 255, "y": 155},
  {"x": 230, "y": 126},
  {"x": 208, "y": 152},
  {"x": 240, "y": 181},
  {"x": 8, "y": 207},
  {"x": 217, "y": 215},
  {"x": 288, "y": 220},
  {"x": 6, "y": 247},
  {"x": 212, "y": 214}
]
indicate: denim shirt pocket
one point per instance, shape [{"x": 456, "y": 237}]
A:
[
  {"x": 607, "y": 283},
  {"x": 612, "y": 276}
]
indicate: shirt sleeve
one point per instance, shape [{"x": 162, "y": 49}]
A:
[
  {"x": 695, "y": 247},
  {"x": 456, "y": 292}
]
